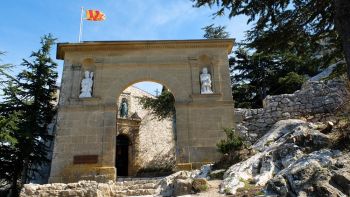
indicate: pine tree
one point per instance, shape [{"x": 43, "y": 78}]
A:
[
  {"x": 218, "y": 32},
  {"x": 8, "y": 125},
  {"x": 256, "y": 75},
  {"x": 279, "y": 51},
  {"x": 28, "y": 99},
  {"x": 294, "y": 26}
]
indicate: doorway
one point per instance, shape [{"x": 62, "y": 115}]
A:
[{"x": 122, "y": 155}]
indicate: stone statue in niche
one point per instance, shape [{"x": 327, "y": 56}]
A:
[
  {"x": 124, "y": 108},
  {"x": 86, "y": 85},
  {"x": 205, "y": 82}
]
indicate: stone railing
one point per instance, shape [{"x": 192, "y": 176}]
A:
[{"x": 315, "y": 97}]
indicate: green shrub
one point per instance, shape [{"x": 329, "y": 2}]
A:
[
  {"x": 203, "y": 188},
  {"x": 232, "y": 142},
  {"x": 200, "y": 185},
  {"x": 227, "y": 191}
]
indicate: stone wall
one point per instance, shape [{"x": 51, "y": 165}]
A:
[
  {"x": 315, "y": 97},
  {"x": 157, "y": 144},
  {"x": 144, "y": 187}
]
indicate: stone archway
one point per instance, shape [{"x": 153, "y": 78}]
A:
[
  {"x": 86, "y": 126},
  {"x": 153, "y": 140}
]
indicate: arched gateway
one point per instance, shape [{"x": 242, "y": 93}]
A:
[{"x": 86, "y": 132}]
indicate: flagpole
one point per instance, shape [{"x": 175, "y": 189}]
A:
[{"x": 81, "y": 24}]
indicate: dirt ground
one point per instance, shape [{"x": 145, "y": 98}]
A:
[{"x": 213, "y": 190}]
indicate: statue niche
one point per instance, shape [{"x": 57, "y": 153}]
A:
[
  {"x": 205, "y": 79},
  {"x": 124, "y": 108},
  {"x": 86, "y": 85}
]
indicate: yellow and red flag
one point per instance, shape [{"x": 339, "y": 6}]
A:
[{"x": 95, "y": 15}]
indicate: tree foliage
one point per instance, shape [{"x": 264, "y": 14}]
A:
[
  {"x": 232, "y": 143},
  {"x": 25, "y": 112},
  {"x": 289, "y": 40},
  {"x": 293, "y": 26},
  {"x": 215, "y": 32},
  {"x": 256, "y": 75},
  {"x": 162, "y": 106}
]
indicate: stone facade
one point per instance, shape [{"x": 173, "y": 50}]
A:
[
  {"x": 88, "y": 126},
  {"x": 315, "y": 97}
]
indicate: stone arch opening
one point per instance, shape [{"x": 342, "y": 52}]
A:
[{"x": 152, "y": 152}]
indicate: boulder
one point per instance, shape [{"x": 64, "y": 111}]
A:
[
  {"x": 182, "y": 186},
  {"x": 203, "y": 172},
  {"x": 168, "y": 184},
  {"x": 200, "y": 185},
  {"x": 313, "y": 173},
  {"x": 180, "y": 183},
  {"x": 288, "y": 144}
]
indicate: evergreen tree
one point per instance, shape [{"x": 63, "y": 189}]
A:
[
  {"x": 281, "y": 48},
  {"x": 290, "y": 25},
  {"x": 256, "y": 75},
  {"x": 218, "y": 32},
  {"x": 28, "y": 103}
]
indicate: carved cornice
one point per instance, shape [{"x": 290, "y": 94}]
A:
[{"x": 62, "y": 48}]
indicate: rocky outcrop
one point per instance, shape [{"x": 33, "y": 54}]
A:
[
  {"x": 320, "y": 173},
  {"x": 169, "y": 185},
  {"x": 184, "y": 182},
  {"x": 292, "y": 159},
  {"x": 315, "y": 97}
]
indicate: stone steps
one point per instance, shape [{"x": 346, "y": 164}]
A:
[
  {"x": 122, "y": 179},
  {"x": 131, "y": 186},
  {"x": 137, "y": 192}
]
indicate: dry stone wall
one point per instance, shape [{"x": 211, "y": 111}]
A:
[
  {"x": 144, "y": 187},
  {"x": 315, "y": 97}
]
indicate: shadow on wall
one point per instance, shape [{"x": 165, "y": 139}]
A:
[
  {"x": 157, "y": 146},
  {"x": 158, "y": 166}
]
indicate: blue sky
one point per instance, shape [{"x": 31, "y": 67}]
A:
[{"x": 27, "y": 20}]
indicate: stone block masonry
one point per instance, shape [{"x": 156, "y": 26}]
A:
[
  {"x": 315, "y": 97},
  {"x": 88, "y": 126}
]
